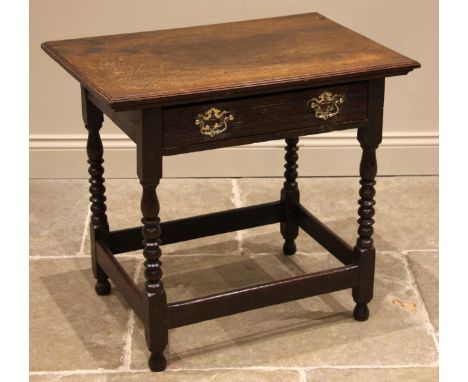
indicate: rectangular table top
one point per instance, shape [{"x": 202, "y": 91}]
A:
[{"x": 138, "y": 69}]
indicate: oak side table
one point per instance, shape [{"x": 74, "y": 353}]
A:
[{"x": 201, "y": 88}]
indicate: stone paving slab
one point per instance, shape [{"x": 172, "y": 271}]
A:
[
  {"x": 57, "y": 214},
  {"x": 179, "y": 376},
  {"x": 70, "y": 327},
  {"x": 416, "y": 374},
  {"x": 425, "y": 267}
]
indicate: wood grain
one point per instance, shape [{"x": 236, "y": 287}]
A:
[
  {"x": 132, "y": 70},
  {"x": 261, "y": 115},
  {"x": 276, "y": 292}
]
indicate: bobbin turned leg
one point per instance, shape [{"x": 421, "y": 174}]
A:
[
  {"x": 364, "y": 251},
  {"x": 156, "y": 328},
  {"x": 149, "y": 168},
  {"x": 290, "y": 196},
  {"x": 99, "y": 227}
]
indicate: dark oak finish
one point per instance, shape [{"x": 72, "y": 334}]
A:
[
  {"x": 120, "y": 278},
  {"x": 290, "y": 197},
  {"x": 99, "y": 227},
  {"x": 175, "y": 231},
  {"x": 261, "y": 115},
  {"x": 323, "y": 235},
  {"x": 149, "y": 170},
  {"x": 276, "y": 292},
  {"x": 323, "y": 128},
  {"x": 364, "y": 250},
  {"x": 128, "y": 121},
  {"x": 141, "y": 69},
  {"x": 202, "y": 88},
  {"x": 156, "y": 327}
]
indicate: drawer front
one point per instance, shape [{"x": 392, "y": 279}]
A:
[{"x": 208, "y": 122}]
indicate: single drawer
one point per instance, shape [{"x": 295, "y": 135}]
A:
[{"x": 260, "y": 115}]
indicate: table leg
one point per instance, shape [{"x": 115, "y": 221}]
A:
[
  {"x": 156, "y": 326},
  {"x": 99, "y": 227},
  {"x": 290, "y": 196},
  {"x": 149, "y": 169},
  {"x": 364, "y": 251}
]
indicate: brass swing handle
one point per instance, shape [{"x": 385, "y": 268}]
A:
[
  {"x": 213, "y": 121},
  {"x": 326, "y": 105}
]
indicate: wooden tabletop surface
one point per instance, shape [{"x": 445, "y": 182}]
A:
[{"x": 137, "y": 69}]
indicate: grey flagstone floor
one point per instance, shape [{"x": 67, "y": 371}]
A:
[{"x": 76, "y": 335}]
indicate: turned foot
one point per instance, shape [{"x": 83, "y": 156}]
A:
[
  {"x": 361, "y": 312},
  {"x": 102, "y": 287},
  {"x": 157, "y": 361},
  {"x": 289, "y": 247}
]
